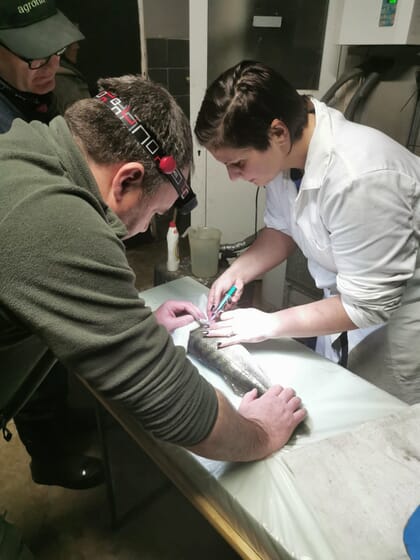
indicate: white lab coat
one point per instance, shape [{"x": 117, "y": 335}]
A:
[{"x": 356, "y": 218}]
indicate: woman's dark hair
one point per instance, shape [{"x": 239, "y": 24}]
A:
[{"x": 240, "y": 105}]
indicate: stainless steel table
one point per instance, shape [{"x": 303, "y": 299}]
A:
[{"x": 341, "y": 489}]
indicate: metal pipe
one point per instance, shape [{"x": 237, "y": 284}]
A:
[{"x": 143, "y": 41}]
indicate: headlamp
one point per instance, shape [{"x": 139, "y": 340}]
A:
[{"x": 165, "y": 163}]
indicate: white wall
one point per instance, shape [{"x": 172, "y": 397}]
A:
[{"x": 166, "y": 18}]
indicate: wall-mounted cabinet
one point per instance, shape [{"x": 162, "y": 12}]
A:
[{"x": 289, "y": 36}]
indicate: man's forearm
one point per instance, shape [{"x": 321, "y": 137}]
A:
[{"x": 233, "y": 437}]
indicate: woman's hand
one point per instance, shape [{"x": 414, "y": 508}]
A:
[
  {"x": 244, "y": 325},
  {"x": 219, "y": 289},
  {"x": 174, "y": 314}
]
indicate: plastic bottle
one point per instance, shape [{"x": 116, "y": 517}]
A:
[{"x": 172, "y": 239}]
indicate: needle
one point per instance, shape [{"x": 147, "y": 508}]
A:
[{"x": 223, "y": 302}]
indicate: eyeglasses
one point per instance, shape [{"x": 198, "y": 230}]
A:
[{"x": 35, "y": 63}]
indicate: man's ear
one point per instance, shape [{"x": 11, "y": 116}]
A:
[
  {"x": 279, "y": 131},
  {"x": 127, "y": 178}
]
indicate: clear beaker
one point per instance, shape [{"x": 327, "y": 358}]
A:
[{"x": 204, "y": 250}]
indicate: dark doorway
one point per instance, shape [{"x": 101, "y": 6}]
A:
[{"x": 112, "y": 44}]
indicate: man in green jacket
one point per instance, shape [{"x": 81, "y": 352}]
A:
[
  {"x": 70, "y": 192},
  {"x": 32, "y": 37}
]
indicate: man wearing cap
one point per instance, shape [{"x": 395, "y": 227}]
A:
[
  {"x": 70, "y": 192},
  {"x": 32, "y": 37}
]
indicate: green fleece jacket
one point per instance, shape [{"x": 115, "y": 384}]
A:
[{"x": 67, "y": 292}]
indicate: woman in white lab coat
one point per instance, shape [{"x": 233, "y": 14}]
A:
[{"x": 348, "y": 196}]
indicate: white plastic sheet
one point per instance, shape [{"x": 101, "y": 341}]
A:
[{"x": 266, "y": 501}]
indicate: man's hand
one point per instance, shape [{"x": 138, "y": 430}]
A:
[
  {"x": 174, "y": 314},
  {"x": 259, "y": 427},
  {"x": 278, "y": 412}
]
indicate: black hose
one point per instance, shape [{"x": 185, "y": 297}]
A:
[
  {"x": 361, "y": 93},
  {"x": 329, "y": 94},
  {"x": 415, "y": 121},
  {"x": 373, "y": 64},
  {"x": 229, "y": 250}
]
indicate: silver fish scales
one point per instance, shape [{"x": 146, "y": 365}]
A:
[{"x": 234, "y": 363}]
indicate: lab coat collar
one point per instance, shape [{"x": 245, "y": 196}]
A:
[{"x": 320, "y": 149}]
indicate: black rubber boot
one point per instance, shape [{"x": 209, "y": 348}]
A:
[
  {"x": 77, "y": 472},
  {"x": 52, "y": 434}
]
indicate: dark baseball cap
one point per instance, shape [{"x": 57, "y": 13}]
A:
[{"x": 35, "y": 28}]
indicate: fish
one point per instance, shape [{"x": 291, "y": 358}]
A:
[{"x": 233, "y": 363}]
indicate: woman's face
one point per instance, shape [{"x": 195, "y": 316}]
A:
[{"x": 252, "y": 165}]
